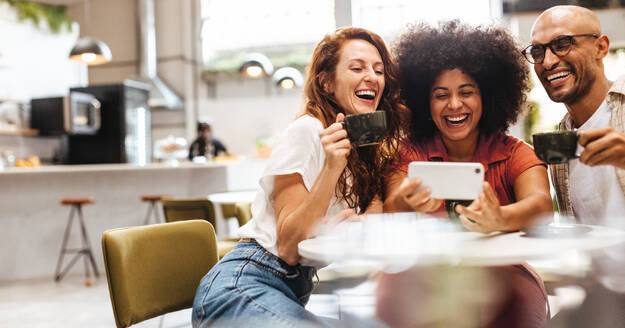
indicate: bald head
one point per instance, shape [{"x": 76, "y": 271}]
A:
[
  {"x": 564, "y": 20},
  {"x": 568, "y": 51}
]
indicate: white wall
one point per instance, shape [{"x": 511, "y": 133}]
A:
[
  {"x": 244, "y": 116},
  {"x": 34, "y": 60}
]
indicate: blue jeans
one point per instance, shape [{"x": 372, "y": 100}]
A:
[{"x": 251, "y": 285}]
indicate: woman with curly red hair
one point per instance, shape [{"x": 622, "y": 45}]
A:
[{"x": 313, "y": 172}]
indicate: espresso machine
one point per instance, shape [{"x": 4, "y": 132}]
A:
[{"x": 124, "y": 135}]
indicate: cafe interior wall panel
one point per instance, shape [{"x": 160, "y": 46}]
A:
[
  {"x": 169, "y": 24},
  {"x": 33, "y": 221},
  {"x": 167, "y": 122},
  {"x": 178, "y": 45},
  {"x": 114, "y": 22},
  {"x": 111, "y": 74},
  {"x": 173, "y": 73},
  {"x": 240, "y": 122}
]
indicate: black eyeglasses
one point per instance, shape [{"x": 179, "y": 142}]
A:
[{"x": 560, "y": 46}]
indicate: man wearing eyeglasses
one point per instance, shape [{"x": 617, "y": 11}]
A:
[{"x": 567, "y": 51}]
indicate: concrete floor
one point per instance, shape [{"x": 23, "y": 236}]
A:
[
  {"x": 69, "y": 303},
  {"x": 44, "y": 303}
]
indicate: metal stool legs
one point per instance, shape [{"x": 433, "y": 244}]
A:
[
  {"x": 85, "y": 251},
  {"x": 152, "y": 208}
]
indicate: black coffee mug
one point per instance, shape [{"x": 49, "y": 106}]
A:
[
  {"x": 365, "y": 129},
  {"x": 556, "y": 147}
]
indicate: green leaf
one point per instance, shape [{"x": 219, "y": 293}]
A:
[{"x": 55, "y": 16}]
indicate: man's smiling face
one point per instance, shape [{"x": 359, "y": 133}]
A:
[{"x": 567, "y": 78}]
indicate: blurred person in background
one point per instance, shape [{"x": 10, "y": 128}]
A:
[
  {"x": 313, "y": 172},
  {"x": 567, "y": 52},
  {"x": 205, "y": 144},
  {"x": 465, "y": 86}
]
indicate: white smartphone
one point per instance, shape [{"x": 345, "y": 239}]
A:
[{"x": 449, "y": 180}]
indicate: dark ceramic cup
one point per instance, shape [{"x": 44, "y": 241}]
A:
[
  {"x": 365, "y": 129},
  {"x": 556, "y": 147}
]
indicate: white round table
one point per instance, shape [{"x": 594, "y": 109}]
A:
[
  {"x": 404, "y": 239},
  {"x": 233, "y": 197},
  {"x": 228, "y": 197}
]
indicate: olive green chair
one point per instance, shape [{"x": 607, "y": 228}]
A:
[
  {"x": 153, "y": 270},
  {"x": 190, "y": 209},
  {"x": 243, "y": 213}
]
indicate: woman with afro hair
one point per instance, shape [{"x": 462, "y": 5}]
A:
[{"x": 464, "y": 87}]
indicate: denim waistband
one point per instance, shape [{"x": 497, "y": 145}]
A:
[{"x": 249, "y": 249}]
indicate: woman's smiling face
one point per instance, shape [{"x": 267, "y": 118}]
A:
[
  {"x": 359, "y": 77},
  {"x": 456, "y": 105}
]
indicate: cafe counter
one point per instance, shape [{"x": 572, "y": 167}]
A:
[{"x": 32, "y": 221}]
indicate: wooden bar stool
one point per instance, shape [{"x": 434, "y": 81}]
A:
[
  {"x": 85, "y": 250},
  {"x": 152, "y": 207}
]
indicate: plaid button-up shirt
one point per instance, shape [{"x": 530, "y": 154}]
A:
[{"x": 560, "y": 172}]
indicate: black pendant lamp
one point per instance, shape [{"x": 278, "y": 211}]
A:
[{"x": 89, "y": 50}]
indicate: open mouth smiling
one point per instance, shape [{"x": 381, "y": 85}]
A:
[
  {"x": 551, "y": 78},
  {"x": 366, "y": 94},
  {"x": 456, "y": 119}
]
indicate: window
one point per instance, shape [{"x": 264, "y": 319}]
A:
[
  {"x": 390, "y": 17},
  {"x": 229, "y": 25}
]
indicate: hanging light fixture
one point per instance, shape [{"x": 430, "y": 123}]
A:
[
  {"x": 89, "y": 50},
  {"x": 256, "y": 65},
  {"x": 288, "y": 78}
]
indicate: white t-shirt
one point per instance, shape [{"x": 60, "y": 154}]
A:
[
  {"x": 297, "y": 150},
  {"x": 595, "y": 192}
]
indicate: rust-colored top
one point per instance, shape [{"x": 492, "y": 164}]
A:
[
  {"x": 74, "y": 201},
  {"x": 151, "y": 198},
  {"x": 504, "y": 158}
]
